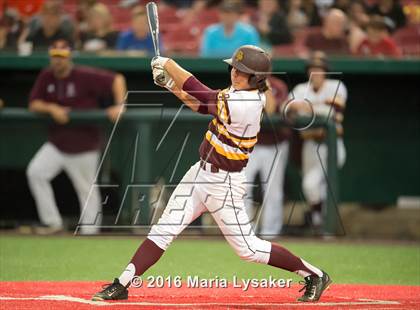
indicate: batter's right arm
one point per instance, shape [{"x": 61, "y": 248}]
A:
[
  {"x": 189, "y": 87},
  {"x": 175, "y": 71},
  {"x": 170, "y": 85}
]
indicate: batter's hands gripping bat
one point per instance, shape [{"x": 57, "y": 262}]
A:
[{"x": 153, "y": 18}]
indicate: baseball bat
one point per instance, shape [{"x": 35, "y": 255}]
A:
[{"x": 153, "y": 19}]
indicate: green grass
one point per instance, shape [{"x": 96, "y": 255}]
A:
[{"x": 78, "y": 258}]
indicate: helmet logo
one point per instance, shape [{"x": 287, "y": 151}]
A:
[{"x": 239, "y": 56}]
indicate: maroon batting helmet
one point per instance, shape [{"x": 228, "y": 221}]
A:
[{"x": 252, "y": 60}]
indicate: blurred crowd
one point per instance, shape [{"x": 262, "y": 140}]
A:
[{"x": 211, "y": 28}]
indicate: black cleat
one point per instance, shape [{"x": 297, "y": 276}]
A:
[
  {"x": 314, "y": 286},
  {"x": 112, "y": 291}
]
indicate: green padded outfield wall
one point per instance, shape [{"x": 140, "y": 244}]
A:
[{"x": 382, "y": 123}]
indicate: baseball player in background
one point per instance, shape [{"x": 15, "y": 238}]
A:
[
  {"x": 269, "y": 159},
  {"x": 216, "y": 183},
  {"x": 323, "y": 97},
  {"x": 75, "y": 149}
]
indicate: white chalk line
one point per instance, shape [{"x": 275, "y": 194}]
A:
[{"x": 198, "y": 304}]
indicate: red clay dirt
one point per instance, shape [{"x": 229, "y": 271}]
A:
[{"x": 76, "y": 295}]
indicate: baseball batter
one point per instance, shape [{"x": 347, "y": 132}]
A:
[{"x": 217, "y": 182}]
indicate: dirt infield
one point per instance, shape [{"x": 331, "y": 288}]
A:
[{"x": 76, "y": 295}]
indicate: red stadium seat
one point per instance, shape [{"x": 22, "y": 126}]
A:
[
  {"x": 208, "y": 17},
  {"x": 181, "y": 39},
  {"x": 121, "y": 17},
  {"x": 408, "y": 39},
  {"x": 70, "y": 7},
  {"x": 168, "y": 15},
  {"x": 301, "y": 35},
  {"x": 286, "y": 50}
]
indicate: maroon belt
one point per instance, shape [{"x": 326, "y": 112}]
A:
[{"x": 208, "y": 166}]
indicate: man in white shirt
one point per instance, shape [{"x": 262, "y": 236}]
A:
[{"x": 322, "y": 97}]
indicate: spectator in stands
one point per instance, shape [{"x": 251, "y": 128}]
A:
[
  {"x": 391, "y": 9},
  {"x": 59, "y": 89},
  {"x": 358, "y": 13},
  {"x": 25, "y": 9},
  {"x": 271, "y": 23},
  {"x": 311, "y": 11},
  {"x": 138, "y": 38},
  {"x": 412, "y": 12},
  {"x": 189, "y": 15},
  {"x": 323, "y": 6},
  {"x": 100, "y": 34},
  {"x": 10, "y": 29},
  {"x": 51, "y": 25},
  {"x": 296, "y": 17},
  {"x": 66, "y": 21},
  {"x": 222, "y": 39},
  {"x": 378, "y": 41},
  {"x": 358, "y": 19},
  {"x": 343, "y": 5},
  {"x": 82, "y": 12},
  {"x": 332, "y": 39}
]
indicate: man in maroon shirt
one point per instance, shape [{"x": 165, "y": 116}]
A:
[{"x": 59, "y": 89}]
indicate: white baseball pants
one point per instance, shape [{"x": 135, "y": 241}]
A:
[
  {"x": 81, "y": 168},
  {"x": 270, "y": 162},
  {"x": 314, "y": 168},
  {"x": 222, "y": 194}
]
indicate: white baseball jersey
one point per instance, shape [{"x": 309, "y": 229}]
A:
[
  {"x": 232, "y": 134},
  {"x": 330, "y": 89}
]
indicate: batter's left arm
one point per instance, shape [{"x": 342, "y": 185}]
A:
[{"x": 189, "y": 100}]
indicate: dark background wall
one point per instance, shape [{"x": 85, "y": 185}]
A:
[{"x": 382, "y": 137}]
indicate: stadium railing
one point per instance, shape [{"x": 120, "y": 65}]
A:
[{"x": 124, "y": 63}]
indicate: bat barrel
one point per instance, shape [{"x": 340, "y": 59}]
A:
[{"x": 153, "y": 19}]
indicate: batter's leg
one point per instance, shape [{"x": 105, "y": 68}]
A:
[
  {"x": 183, "y": 208},
  {"x": 43, "y": 167},
  {"x": 229, "y": 213},
  {"x": 227, "y": 208},
  {"x": 81, "y": 169}
]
